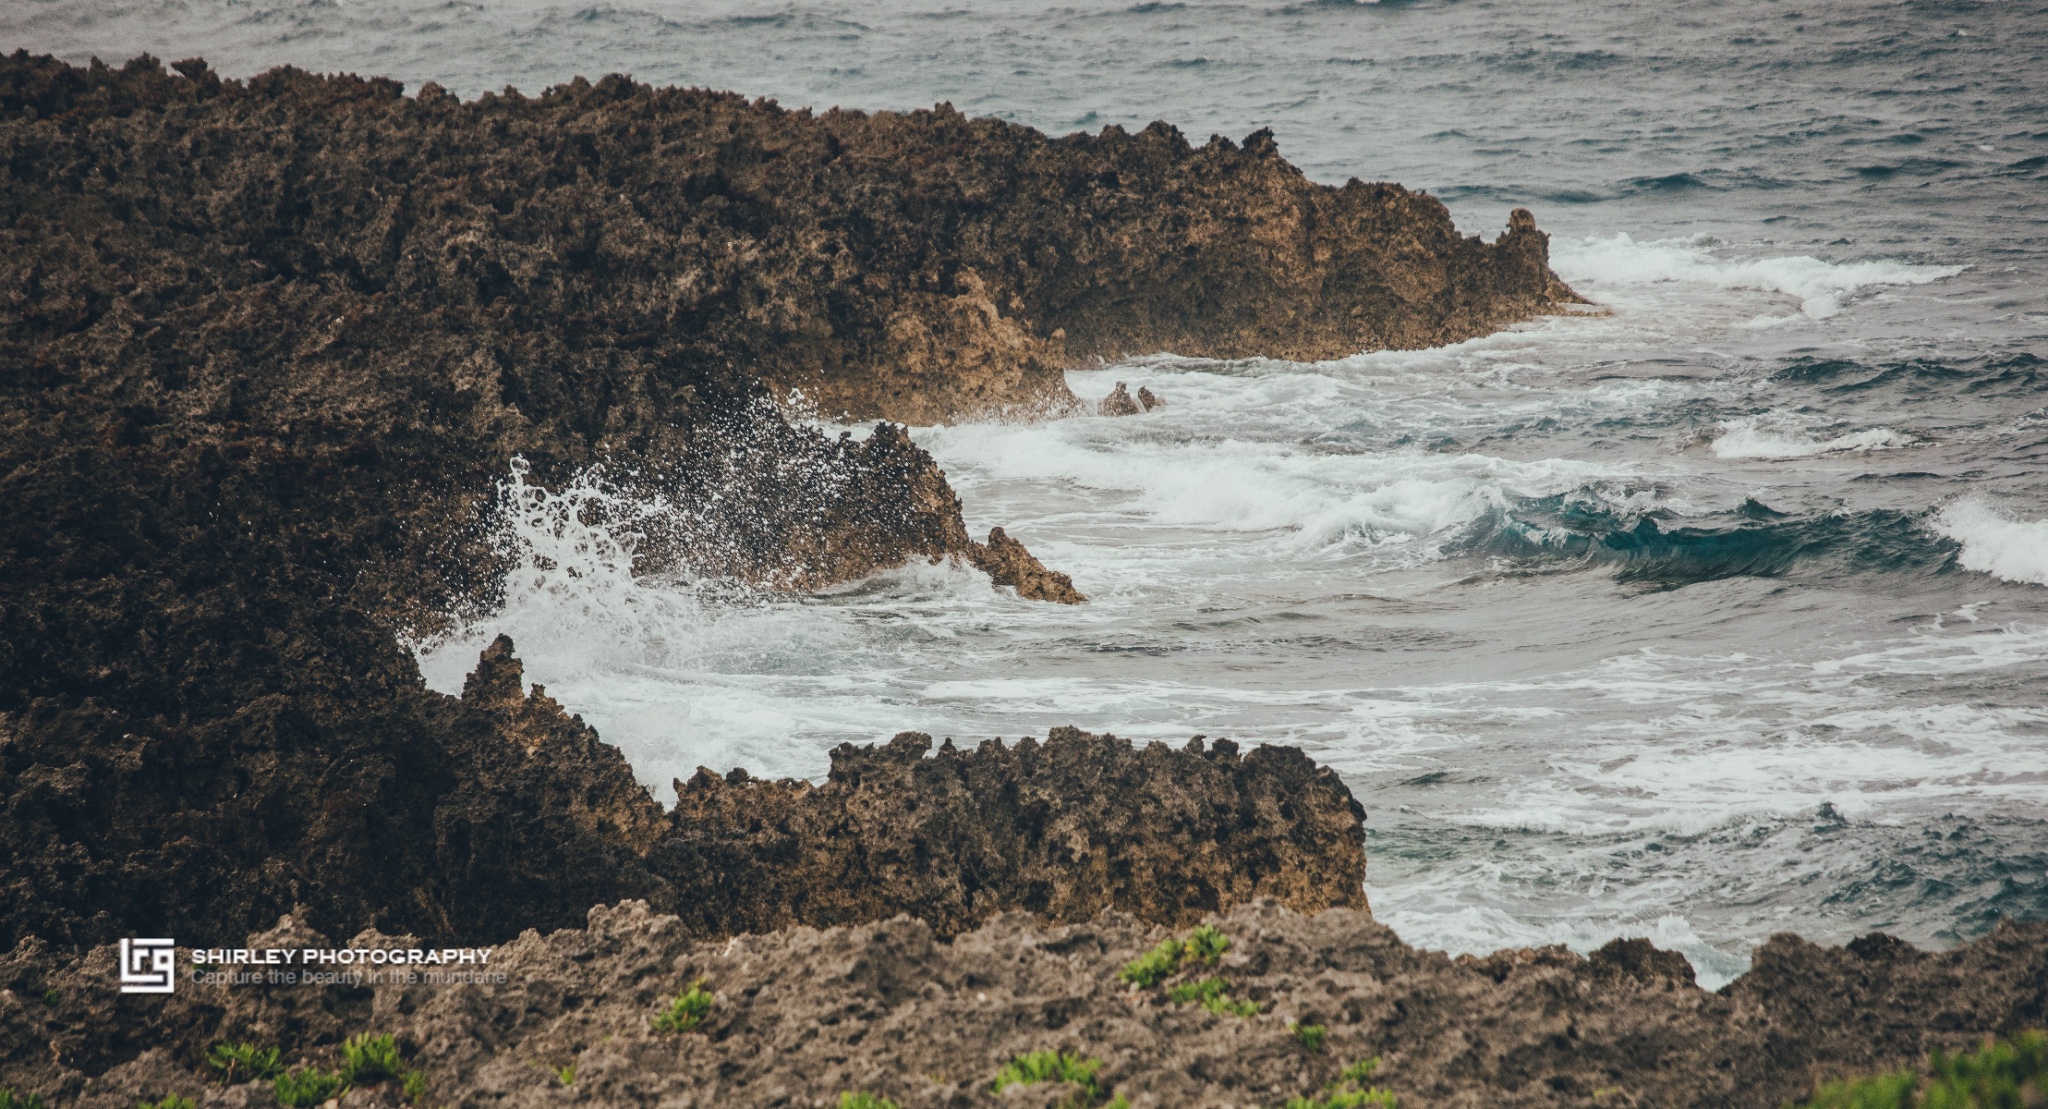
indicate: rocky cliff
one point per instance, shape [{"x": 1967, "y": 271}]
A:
[{"x": 270, "y": 348}]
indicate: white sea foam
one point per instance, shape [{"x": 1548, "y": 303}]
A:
[
  {"x": 1620, "y": 269},
  {"x": 2016, "y": 550},
  {"x": 1772, "y": 437}
]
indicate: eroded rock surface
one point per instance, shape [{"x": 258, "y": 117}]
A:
[
  {"x": 467, "y": 819},
  {"x": 1007, "y": 562},
  {"x": 803, "y": 1015}
]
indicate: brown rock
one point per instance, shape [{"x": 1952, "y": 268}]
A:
[
  {"x": 1150, "y": 399},
  {"x": 801, "y": 1016},
  {"x": 1007, "y": 562},
  {"x": 1119, "y": 403},
  {"x": 1065, "y": 829}
]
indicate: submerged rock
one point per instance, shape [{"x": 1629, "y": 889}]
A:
[
  {"x": 1119, "y": 403},
  {"x": 1007, "y": 562},
  {"x": 1150, "y": 399}
]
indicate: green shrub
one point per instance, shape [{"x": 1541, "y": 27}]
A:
[
  {"x": 243, "y": 1063},
  {"x": 170, "y": 1101},
  {"x": 1211, "y": 994},
  {"x": 52, "y": 998},
  {"x": 367, "y": 1060},
  {"x": 11, "y": 1100},
  {"x": 687, "y": 1010},
  {"x": 861, "y": 1099},
  {"x": 1206, "y": 945},
  {"x": 1059, "y": 1066},
  {"x": 2003, "y": 1074},
  {"x": 305, "y": 1088},
  {"x": 1310, "y": 1035},
  {"x": 1154, "y": 966},
  {"x": 565, "y": 1074},
  {"x": 415, "y": 1085}
]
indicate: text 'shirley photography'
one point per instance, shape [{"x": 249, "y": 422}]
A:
[{"x": 1272, "y": 555}]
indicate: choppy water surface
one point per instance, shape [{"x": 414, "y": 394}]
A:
[{"x": 1721, "y": 615}]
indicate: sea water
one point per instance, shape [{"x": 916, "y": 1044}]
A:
[{"x": 1722, "y": 614}]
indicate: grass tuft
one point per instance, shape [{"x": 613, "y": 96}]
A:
[
  {"x": 2001, "y": 1074},
  {"x": 1154, "y": 966},
  {"x": 169, "y": 1101},
  {"x": 1206, "y": 945},
  {"x": 861, "y": 1099},
  {"x": 307, "y": 1087},
  {"x": 1349, "y": 1091},
  {"x": 367, "y": 1060},
  {"x": 1211, "y": 994},
  {"x": 1059, "y": 1066},
  {"x": 687, "y": 1011},
  {"x": 11, "y": 1100},
  {"x": 1311, "y": 1036},
  {"x": 1203, "y": 947},
  {"x": 244, "y": 1063}
]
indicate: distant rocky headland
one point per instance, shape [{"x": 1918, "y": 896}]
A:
[{"x": 269, "y": 347}]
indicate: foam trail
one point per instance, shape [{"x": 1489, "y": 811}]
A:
[
  {"x": 1620, "y": 263},
  {"x": 1756, "y": 437},
  {"x": 2016, "y": 550}
]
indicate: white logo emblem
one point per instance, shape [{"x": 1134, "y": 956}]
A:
[{"x": 149, "y": 966}]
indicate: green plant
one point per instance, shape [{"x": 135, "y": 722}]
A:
[
  {"x": 1358, "y": 1073},
  {"x": 1154, "y": 966},
  {"x": 243, "y": 1063},
  {"x": 1206, "y": 945},
  {"x": 687, "y": 1010},
  {"x": 307, "y": 1087},
  {"x": 1211, "y": 994},
  {"x": 52, "y": 998},
  {"x": 1349, "y": 1091},
  {"x": 566, "y": 1074},
  {"x": 170, "y": 1101},
  {"x": 415, "y": 1085},
  {"x": 1059, "y": 1066},
  {"x": 2001, "y": 1074},
  {"x": 1310, "y": 1035},
  {"x": 861, "y": 1099},
  {"x": 367, "y": 1060},
  {"x": 11, "y": 1100}
]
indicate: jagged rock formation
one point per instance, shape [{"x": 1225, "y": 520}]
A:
[
  {"x": 469, "y": 819},
  {"x": 1118, "y": 403},
  {"x": 1007, "y": 562},
  {"x": 270, "y": 347},
  {"x": 1066, "y": 829},
  {"x": 802, "y": 1016}
]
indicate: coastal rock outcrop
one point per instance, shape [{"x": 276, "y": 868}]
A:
[
  {"x": 1007, "y": 562},
  {"x": 272, "y": 348},
  {"x": 467, "y": 819},
  {"x": 801, "y": 1016},
  {"x": 1119, "y": 403}
]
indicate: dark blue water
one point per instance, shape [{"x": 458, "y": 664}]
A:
[{"x": 1721, "y": 614}]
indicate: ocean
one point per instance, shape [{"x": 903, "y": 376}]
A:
[{"x": 1721, "y": 614}]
